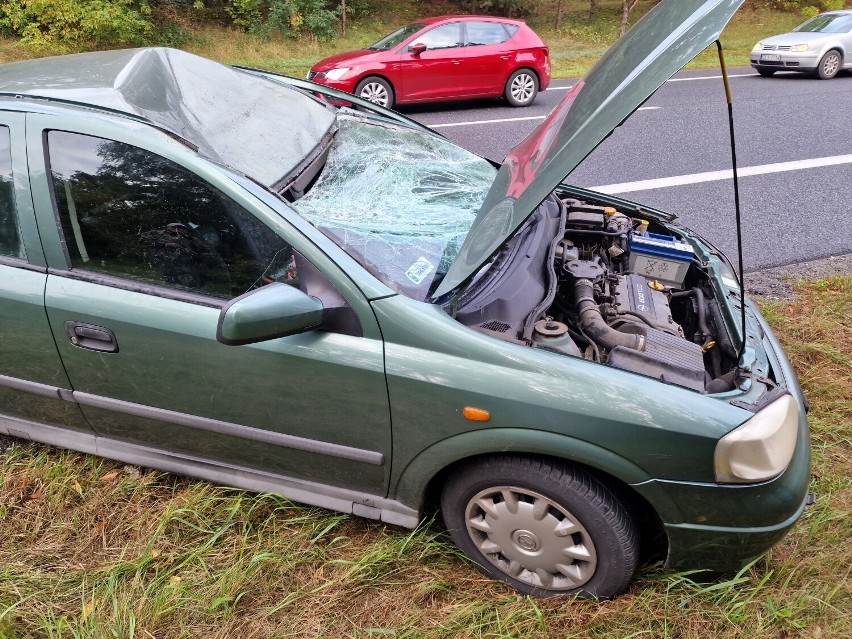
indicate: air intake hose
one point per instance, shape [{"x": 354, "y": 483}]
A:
[{"x": 593, "y": 323}]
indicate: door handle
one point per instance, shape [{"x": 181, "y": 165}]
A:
[
  {"x": 456, "y": 61},
  {"x": 91, "y": 337}
]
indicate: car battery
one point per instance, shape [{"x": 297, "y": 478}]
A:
[{"x": 660, "y": 257}]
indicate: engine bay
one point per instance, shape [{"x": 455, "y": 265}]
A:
[{"x": 610, "y": 288}]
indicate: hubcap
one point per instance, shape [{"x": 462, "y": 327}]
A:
[
  {"x": 831, "y": 65},
  {"x": 522, "y": 87},
  {"x": 375, "y": 93},
  {"x": 531, "y": 538}
]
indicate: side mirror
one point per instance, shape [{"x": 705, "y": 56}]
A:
[
  {"x": 274, "y": 310},
  {"x": 417, "y": 48}
]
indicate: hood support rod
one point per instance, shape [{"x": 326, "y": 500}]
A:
[{"x": 730, "y": 100}]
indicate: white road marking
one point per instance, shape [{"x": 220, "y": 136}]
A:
[
  {"x": 531, "y": 117},
  {"x": 713, "y": 176},
  {"x": 712, "y": 77},
  {"x": 541, "y": 117}
]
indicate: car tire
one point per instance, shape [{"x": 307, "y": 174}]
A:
[
  {"x": 521, "y": 88},
  {"x": 829, "y": 65},
  {"x": 767, "y": 73},
  {"x": 543, "y": 527},
  {"x": 376, "y": 90}
]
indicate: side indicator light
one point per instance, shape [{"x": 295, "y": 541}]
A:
[{"x": 476, "y": 414}]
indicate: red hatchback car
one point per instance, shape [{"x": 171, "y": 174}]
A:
[{"x": 445, "y": 58}]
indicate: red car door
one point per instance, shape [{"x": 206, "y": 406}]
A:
[
  {"x": 489, "y": 57},
  {"x": 437, "y": 71}
]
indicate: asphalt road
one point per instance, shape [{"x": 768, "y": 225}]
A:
[{"x": 794, "y": 148}]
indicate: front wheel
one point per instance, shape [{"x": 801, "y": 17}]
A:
[
  {"x": 542, "y": 527},
  {"x": 521, "y": 88},
  {"x": 376, "y": 90},
  {"x": 829, "y": 65}
]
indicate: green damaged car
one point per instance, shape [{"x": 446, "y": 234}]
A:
[{"x": 216, "y": 272}]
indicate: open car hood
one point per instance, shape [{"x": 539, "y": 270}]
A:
[{"x": 657, "y": 47}]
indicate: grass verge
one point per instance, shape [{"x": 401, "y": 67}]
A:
[{"x": 93, "y": 549}]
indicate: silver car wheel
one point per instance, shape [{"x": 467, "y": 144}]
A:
[
  {"x": 522, "y": 88},
  {"x": 375, "y": 93},
  {"x": 531, "y": 538},
  {"x": 829, "y": 65}
]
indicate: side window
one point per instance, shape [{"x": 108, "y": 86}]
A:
[
  {"x": 130, "y": 213},
  {"x": 482, "y": 33},
  {"x": 446, "y": 36},
  {"x": 10, "y": 236}
]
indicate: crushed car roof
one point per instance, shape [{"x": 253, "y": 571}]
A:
[{"x": 229, "y": 114}]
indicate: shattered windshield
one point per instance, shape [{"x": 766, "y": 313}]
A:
[{"x": 399, "y": 201}]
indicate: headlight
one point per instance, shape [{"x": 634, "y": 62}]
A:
[
  {"x": 761, "y": 448},
  {"x": 336, "y": 74},
  {"x": 800, "y": 47},
  {"x": 758, "y": 46}
]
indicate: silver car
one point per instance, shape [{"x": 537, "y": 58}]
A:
[{"x": 821, "y": 46}]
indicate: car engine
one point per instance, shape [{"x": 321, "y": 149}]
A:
[{"x": 619, "y": 290}]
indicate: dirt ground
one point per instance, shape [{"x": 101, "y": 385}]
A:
[{"x": 773, "y": 283}]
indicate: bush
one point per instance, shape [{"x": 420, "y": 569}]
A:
[
  {"x": 290, "y": 18},
  {"x": 53, "y": 25}
]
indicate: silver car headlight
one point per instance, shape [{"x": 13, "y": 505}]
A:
[
  {"x": 758, "y": 46},
  {"x": 800, "y": 47},
  {"x": 762, "y": 447}
]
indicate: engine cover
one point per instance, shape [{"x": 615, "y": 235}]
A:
[{"x": 633, "y": 297}]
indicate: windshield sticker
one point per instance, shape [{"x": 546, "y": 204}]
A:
[{"x": 418, "y": 271}]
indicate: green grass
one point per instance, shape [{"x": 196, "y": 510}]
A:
[{"x": 92, "y": 549}]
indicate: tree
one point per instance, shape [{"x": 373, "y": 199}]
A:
[{"x": 626, "y": 7}]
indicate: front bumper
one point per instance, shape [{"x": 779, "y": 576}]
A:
[
  {"x": 805, "y": 61},
  {"x": 722, "y": 526}
]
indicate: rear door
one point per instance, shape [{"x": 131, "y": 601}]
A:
[
  {"x": 490, "y": 58},
  {"x": 34, "y": 390},
  {"x": 148, "y": 242}
]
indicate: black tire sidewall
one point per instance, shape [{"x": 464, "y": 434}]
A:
[{"x": 570, "y": 487}]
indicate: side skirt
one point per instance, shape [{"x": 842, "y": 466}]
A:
[{"x": 305, "y": 492}]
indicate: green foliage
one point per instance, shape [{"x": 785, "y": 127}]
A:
[
  {"x": 290, "y": 18},
  {"x": 244, "y": 13},
  {"x": 56, "y": 25},
  {"x": 806, "y": 8},
  {"x": 508, "y": 8}
]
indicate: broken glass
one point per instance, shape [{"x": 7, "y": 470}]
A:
[{"x": 398, "y": 200}]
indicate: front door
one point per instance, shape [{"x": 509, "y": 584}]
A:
[
  {"x": 152, "y": 251},
  {"x": 438, "y": 71}
]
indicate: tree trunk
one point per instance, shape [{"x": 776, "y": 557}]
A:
[
  {"x": 626, "y": 7},
  {"x": 593, "y": 9},
  {"x": 560, "y": 15},
  {"x": 343, "y": 17}
]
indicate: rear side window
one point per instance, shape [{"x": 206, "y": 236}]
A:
[
  {"x": 10, "y": 236},
  {"x": 479, "y": 33},
  {"x": 130, "y": 213}
]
